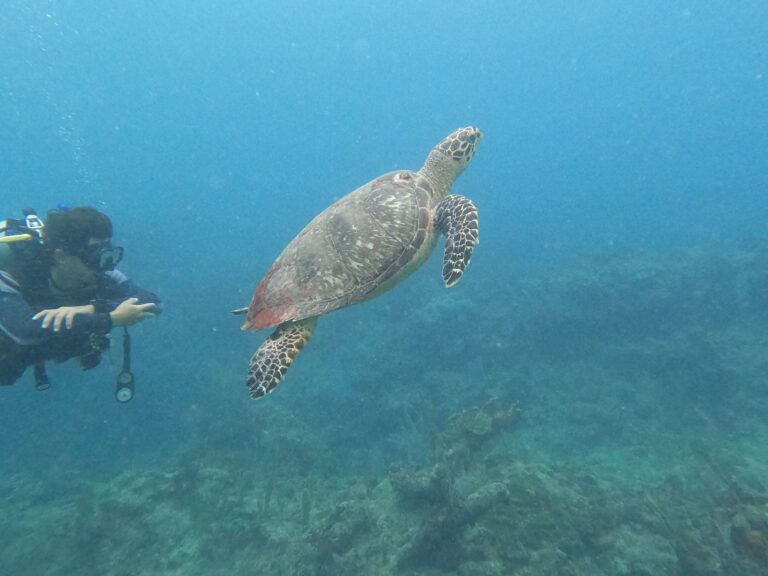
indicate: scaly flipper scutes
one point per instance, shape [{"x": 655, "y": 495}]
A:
[
  {"x": 456, "y": 217},
  {"x": 270, "y": 362}
]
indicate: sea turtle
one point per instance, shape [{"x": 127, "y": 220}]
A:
[{"x": 360, "y": 247}]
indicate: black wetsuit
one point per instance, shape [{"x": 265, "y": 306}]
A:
[{"x": 24, "y": 342}]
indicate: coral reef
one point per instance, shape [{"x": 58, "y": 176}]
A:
[{"x": 607, "y": 420}]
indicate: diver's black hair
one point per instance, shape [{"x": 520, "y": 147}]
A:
[{"x": 71, "y": 229}]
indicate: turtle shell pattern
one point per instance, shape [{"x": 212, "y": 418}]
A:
[{"x": 354, "y": 250}]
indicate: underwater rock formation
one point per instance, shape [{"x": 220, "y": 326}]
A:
[
  {"x": 439, "y": 541},
  {"x": 339, "y": 531}
]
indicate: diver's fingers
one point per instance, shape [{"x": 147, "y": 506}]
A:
[
  {"x": 70, "y": 317},
  {"x": 146, "y": 307},
  {"x": 47, "y": 316},
  {"x": 58, "y": 318},
  {"x": 42, "y": 314}
]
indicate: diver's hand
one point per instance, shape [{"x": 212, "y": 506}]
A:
[
  {"x": 128, "y": 312},
  {"x": 55, "y": 317}
]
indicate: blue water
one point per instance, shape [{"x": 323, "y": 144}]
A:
[{"x": 211, "y": 132}]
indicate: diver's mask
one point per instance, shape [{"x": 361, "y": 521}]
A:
[{"x": 102, "y": 256}]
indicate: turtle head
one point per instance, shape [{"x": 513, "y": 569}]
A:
[
  {"x": 449, "y": 158},
  {"x": 460, "y": 146}
]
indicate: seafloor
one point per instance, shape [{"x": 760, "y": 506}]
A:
[{"x": 608, "y": 418}]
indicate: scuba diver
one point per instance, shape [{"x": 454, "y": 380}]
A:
[{"x": 60, "y": 294}]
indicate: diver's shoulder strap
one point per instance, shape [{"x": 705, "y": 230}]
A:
[
  {"x": 6, "y": 256},
  {"x": 9, "y": 269}
]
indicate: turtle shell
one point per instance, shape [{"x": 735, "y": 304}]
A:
[{"x": 355, "y": 249}]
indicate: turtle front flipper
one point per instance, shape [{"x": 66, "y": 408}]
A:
[
  {"x": 270, "y": 362},
  {"x": 456, "y": 217}
]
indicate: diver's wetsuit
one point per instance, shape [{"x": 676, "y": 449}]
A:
[{"x": 24, "y": 342}]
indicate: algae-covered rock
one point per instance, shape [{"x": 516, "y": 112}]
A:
[
  {"x": 421, "y": 486},
  {"x": 476, "y": 424},
  {"x": 749, "y": 534},
  {"x": 488, "y": 497},
  {"x": 348, "y": 524}
]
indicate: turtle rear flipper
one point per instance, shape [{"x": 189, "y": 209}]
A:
[
  {"x": 456, "y": 217},
  {"x": 270, "y": 362}
]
